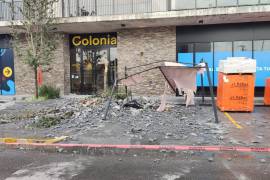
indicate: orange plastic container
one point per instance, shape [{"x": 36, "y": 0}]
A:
[
  {"x": 267, "y": 92},
  {"x": 236, "y": 92}
]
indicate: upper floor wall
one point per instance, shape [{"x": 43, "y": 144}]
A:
[{"x": 77, "y": 8}]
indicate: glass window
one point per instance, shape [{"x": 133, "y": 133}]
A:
[
  {"x": 205, "y": 3},
  {"x": 262, "y": 54},
  {"x": 265, "y": 2},
  {"x": 183, "y": 4},
  {"x": 141, "y": 6},
  {"x": 222, "y": 3},
  {"x": 222, "y": 51},
  {"x": 123, "y": 6},
  {"x": 248, "y": 2},
  {"x": 159, "y": 5},
  {"x": 105, "y": 7},
  {"x": 204, "y": 52},
  {"x": 242, "y": 49},
  {"x": 87, "y": 8},
  {"x": 185, "y": 53}
]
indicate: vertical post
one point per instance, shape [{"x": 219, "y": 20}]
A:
[
  {"x": 202, "y": 86},
  {"x": 12, "y": 10},
  {"x": 113, "y": 8},
  {"x": 151, "y": 5},
  {"x": 96, "y": 11},
  {"x": 132, "y": 6},
  {"x": 212, "y": 93},
  {"x": 78, "y": 8},
  {"x": 126, "y": 78},
  {"x": 63, "y": 8},
  {"x": 110, "y": 100},
  {"x": 68, "y": 7},
  {"x": 169, "y": 5}
]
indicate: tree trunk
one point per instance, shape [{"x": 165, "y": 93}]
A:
[{"x": 36, "y": 83}]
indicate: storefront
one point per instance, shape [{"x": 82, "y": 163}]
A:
[
  {"x": 93, "y": 62},
  {"x": 217, "y": 42},
  {"x": 7, "y": 82}
]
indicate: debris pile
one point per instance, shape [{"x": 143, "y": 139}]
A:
[{"x": 136, "y": 120}]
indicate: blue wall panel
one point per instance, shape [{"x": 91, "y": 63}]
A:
[
  {"x": 263, "y": 67},
  {"x": 7, "y": 83}
]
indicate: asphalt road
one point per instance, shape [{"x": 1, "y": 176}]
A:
[{"x": 22, "y": 165}]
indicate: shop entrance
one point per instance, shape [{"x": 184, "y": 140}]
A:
[{"x": 92, "y": 70}]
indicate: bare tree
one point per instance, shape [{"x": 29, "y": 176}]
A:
[{"x": 35, "y": 32}]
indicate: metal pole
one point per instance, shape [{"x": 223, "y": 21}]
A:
[
  {"x": 78, "y": 8},
  {"x": 169, "y": 5},
  {"x": 63, "y": 8},
  {"x": 68, "y": 8},
  {"x": 212, "y": 93},
  {"x": 202, "y": 86},
  {"x": 13, "y": 10},
  {"x": 110, "y": 101},
  {"x": 113, "y": 8},
  {"x": 132, "y": 6},
  {"x": 96, "y": 13},
  {"x": 126, "y": 77}
]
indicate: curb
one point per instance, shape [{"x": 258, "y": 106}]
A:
[{"x": 107, "y": 148}]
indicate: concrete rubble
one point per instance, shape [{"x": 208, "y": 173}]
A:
[{"x": 82, "y": 120}]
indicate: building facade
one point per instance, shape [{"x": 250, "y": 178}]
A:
[{"x": 100, "y": 39}]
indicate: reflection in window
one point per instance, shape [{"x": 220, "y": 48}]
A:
[
  {"x": 222, "y": 51},
  {"x": 243, "y": 49},
  {"x": 104, "y": 7},
  {"x": 262, "y": 54},
  {"x": 123, "y": 6},
  {"x": 222, "y": 3},
  {"x": 204, "y": 52},
  {"x": 141, "y": 6},
  {"x": 248, "y": 2},
  {"x": 205, "y": 3},
  {"x": 185, "y": 53},
  {"x": 265, "y": 2},
  {"x": 183, "y": 4}
]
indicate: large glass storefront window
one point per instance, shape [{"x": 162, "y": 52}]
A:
[
  {"x": 242, "y": 49},
  {"x": 262, "y": 54},
  {"x": 93, "y": 63},
  {"x": 212, "y": 53}
]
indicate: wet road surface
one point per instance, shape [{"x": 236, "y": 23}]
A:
[{"x": 22, "y": 165}]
